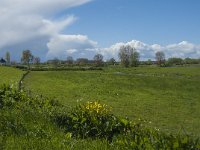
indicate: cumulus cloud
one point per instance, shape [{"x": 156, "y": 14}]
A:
[
  {"x": 23, "y": 21},
  {"x": 147, "y": 51},
  {"x": 74, "y": 45}
]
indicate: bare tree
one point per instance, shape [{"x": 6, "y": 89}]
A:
[
  {"x": 160, "y": 57},
  {"x": 27, "y": 57},
  {"x": 98, "y": 59}
]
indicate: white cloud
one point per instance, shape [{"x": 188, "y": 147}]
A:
[
  {"x": 42, "y": 7},
  {"x": 31, "y": 24},
  {"x": 147, "y": 51},
  {"x": 62, "y": 46},
  {"x": 23, "y": 21}
]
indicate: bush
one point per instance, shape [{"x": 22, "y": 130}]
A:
[{"x": 93, "y": 120}]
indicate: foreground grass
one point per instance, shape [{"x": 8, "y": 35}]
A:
[
  {"x": 166, "y": 97},
  {"x": 9, "y": 75},
  {"x": 26, "y": 123},
  {"x": 38, "y": 123}
]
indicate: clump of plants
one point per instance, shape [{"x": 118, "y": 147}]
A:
[
  {"x": 146, "y": 138},
  {"x": 93, "y": 120}
]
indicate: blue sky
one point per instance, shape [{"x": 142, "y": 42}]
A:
[
  {"x": 151, "y": 21},
  {"x": 83, "y": 28}
]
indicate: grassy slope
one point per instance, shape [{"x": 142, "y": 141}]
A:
[
  {"x": 25, "y": 123},
  {"x": 169, "y": 97},
  {"x": 43, "y": 134},
  {"x": 9, "y": 75}
]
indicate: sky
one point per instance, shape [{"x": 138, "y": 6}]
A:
[{"x": 82, "y": 28}]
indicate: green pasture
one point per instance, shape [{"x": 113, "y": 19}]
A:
[
  {"x": 9, "y": 75},
  {"x": 168, "y": 98}
]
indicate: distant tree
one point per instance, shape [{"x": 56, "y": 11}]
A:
[
  {"x": 82, "y": 61},
  {"x": 134, "y": 59},
  {"x": 55, "y": 62},
  {"x": 124, "y": 55},
  {"x": 27, "y": 57},
  {"x": 13, "y": 62},
  {"x": 149, "y": 62},
  {"x": 36, "y": 60},
  {"x": 128, "y": 56},
  {"x": 69, "y": 60},
  {"x": 160, "y": 58},
  {"x": 111, "y": 61},
  {"x": 175, "y": 61},
  {"x": 191, "y": 61},
  {"x": 98, "y": 59},
  {"x": 7, "y": 57}
]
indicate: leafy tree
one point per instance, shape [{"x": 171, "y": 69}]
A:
[
  {"x": 111, "y": 61},
  {"x": 175, "y": 61},
  {"x": 160, "y": 58},
  {"x": 98, "y": 59},
  {"x": 124, "y": 54},
  {"x": 134, "y": 59},
  {"x": 128, "y": 56},
  {"x": 7, "y": 57},
  {"x": 27, "y": 57},
  {"x": 191, "y": 61}
]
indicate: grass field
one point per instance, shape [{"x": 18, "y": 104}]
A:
[
  {"x": 9, "y": 75},
  {"x": 167, "y": 97}
]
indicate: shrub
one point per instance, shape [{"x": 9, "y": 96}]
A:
[
  {"x": 93, "y": 120},
  {"x": 22, "y": 67},
  {"x": 9, "y": 95}
]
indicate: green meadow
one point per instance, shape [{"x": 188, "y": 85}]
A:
[
  {"x": 9, "y": 75},
  {"x": 167, "y": 98},
  {"x": 162, "y": 105}
]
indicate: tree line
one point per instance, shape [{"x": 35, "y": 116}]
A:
[{"x": 128, "y": 57}]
